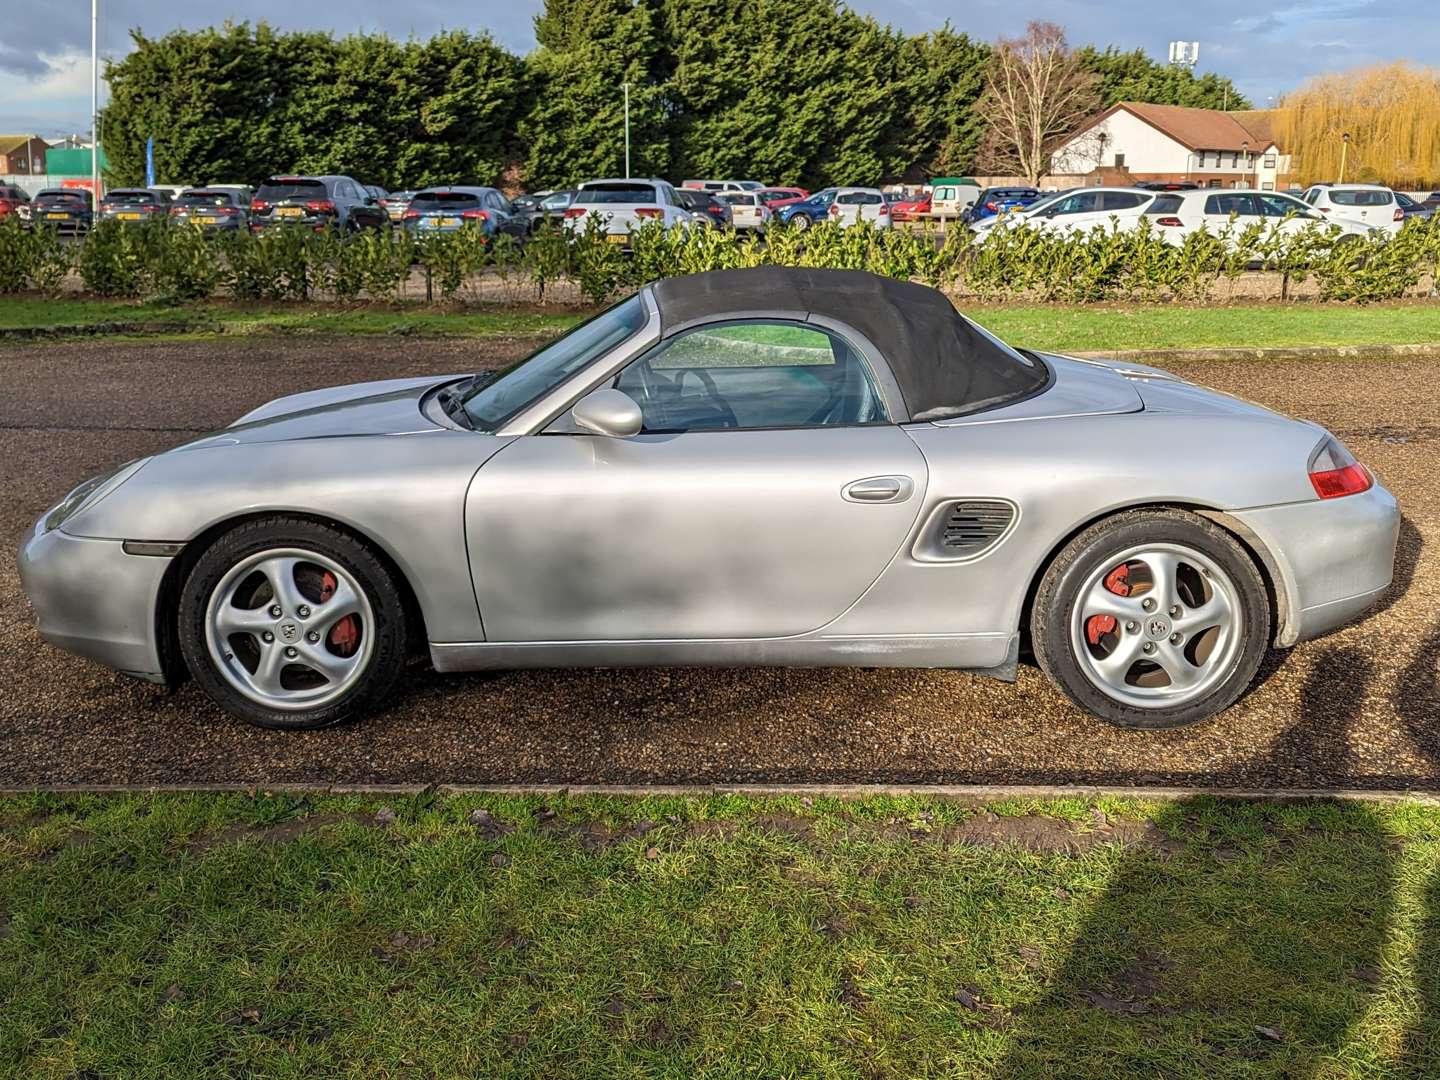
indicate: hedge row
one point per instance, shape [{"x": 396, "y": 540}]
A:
[{"x": 158, "y": 261}]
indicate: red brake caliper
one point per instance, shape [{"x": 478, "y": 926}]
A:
[
  {"x": 345, "y": 634},
  {"x": 1117, "y": 581}
]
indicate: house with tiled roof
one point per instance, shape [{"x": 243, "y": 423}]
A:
[
  {"x": 22, "y": 155},
  {"x": 1134, "y": 141}
]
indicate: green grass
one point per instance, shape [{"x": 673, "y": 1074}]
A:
[
  {"x": 231, "y": 935},
  {"x": 1037, "y": 326}
]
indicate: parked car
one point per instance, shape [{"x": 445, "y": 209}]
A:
[
  {"x": 1178, "y": 213},
  {"x": 861, "y": 477},
  {"x": 1431, "y": 201},
  {"x": 952, "y": 196},
  {"x": 723, "y": 185},
  {"x": 1075, "y": 210},
  {"x": 134, "y": 204},
  {"x": 451, "y": 208},
  {"x": 777, "y": 197},
  {"x": 395, "y": 203},
  {"x": 12, "y": 198},
  {"x": 853, "y": 205},
  {"x": 67, "y": 210},
  {"x": 548, "y": 208},
  {"x": 747, "y": 209},
  {"x": 625, "y": 205},
  {"x": 808, "y": 210},
  {"x": 1410, "y": 208},
  {"x": 705, "y": 208},
  {"x": 994, "y": 200},
  {"x": 376, "y": 192},
  {"x": 218, "y": 209},
  {"x": 1369, "y": 204},
  {"x": 913, "y": 208},
  {"x": 315, "y": 202}
]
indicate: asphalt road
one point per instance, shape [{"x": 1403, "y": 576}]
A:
[{"x": 1360, "y": 708}]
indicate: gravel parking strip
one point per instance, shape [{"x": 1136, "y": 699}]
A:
[{"x": 1358, "y": 709}]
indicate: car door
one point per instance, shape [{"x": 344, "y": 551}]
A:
[
  {"x": 767, "y": 490},
  {"x": 1074, "y": 213}
]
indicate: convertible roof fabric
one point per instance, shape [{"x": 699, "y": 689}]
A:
[{"x": 945, "y": 365}]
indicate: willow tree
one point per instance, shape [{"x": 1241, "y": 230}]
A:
[{"x": 1391, "y": 113}]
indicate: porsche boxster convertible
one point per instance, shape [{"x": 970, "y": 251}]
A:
[{"x": 749, "y": 467}]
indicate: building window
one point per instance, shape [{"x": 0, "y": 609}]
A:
[
  {"x": 1269, "y": 161},
  {"x": 1119, "y": 161},
  {"x": 1212, "y": 183},
  {"x": 1267, "y": 186}
]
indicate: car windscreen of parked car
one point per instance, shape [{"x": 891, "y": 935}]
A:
[
  {"x": 290, "y": 188},
  {"x": 1360, "y": 198},
  {"x": 206, "y": 198},
  {"x": 617, "y": 193},
  {"x": 1165, "y": 204},
  {"x": 494, "y": 400},
  {"x": 131, "y": 198}
]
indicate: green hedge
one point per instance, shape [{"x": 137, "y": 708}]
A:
[{"x": 159, "y": 261}]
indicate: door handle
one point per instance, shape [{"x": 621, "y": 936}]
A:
[{"x": 877, "y": 489}]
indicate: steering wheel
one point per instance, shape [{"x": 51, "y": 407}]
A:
[{"x": 723, "y": 412}]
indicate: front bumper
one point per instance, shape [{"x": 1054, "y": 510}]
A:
[
  {"x": 1334, "y": 557},
  {"x": 94, "y": 600}
]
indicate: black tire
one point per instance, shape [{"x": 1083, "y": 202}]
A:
[
  {"x": 388, "y": 630},
  {"x": 1053, "y": 610}
]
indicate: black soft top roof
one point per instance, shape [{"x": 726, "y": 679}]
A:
[{"x": 944, "y": 364}]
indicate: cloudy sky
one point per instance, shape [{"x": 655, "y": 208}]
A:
[{"x": 45, "y": 46}]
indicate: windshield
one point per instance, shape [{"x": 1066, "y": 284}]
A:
[
  {"x": 444, "y": 198},
  {"x": 204, "y": 198},
  {"x": 494, "y": 401},
  {"x": 617, "y": 193},
  {"x": 290, "y": 189}
]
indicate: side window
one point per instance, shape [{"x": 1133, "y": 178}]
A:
[
  {"x": 746, "y": 375},
  {"x": 1230, "y": 204},
  {"x": 1083, "y": 202},
  {"x": 1122, "y": 200},
  {"x": 1278, "y": 206}
]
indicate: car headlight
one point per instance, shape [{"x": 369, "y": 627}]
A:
[{"x": 92, "y": 490}]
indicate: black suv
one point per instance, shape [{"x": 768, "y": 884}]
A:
[{"x": 316, "y": 202}]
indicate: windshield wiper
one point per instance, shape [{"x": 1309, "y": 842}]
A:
[{"x": 452, "y": 400}]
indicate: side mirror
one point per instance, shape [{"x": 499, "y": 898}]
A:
[{"x": 610, "y": 413}]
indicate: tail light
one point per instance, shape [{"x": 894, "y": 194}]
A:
[
  {"x": 320, "y": 206},
  {"x": 992, "y": 207},
  {"x": 411, "y": 215},
  {"x": 1323, "y": 209},
  {"x": 834, "y": 211},
  {"x": 1399, "y": 214},
  {"x": 884, "y": 209},
  {"x": 718, "y": 211},
  {"x": 225, "y": 211},
  {"x": 475, "y": 215},
  {"x": 575, "y": 212},
  {"x": 647, "y": 211},
  {"x": 176, "y": 211},
  {"x": 1334, "y": 472},
  {"x": 1169, "y": 222},
  {"x": 259, "y": 204}
]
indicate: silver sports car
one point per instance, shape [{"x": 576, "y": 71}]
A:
[{"x": 768, "y": 466}]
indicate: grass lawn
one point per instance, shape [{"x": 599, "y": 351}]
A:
[
  {"x": 497, "y": 936},
  {"x": 1038, "y": 326}
]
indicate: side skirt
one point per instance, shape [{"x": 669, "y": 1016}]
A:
[{"x": 987, "y": 654}]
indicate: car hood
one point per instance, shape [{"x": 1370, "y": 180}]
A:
[{"x": 389, "y": 407}]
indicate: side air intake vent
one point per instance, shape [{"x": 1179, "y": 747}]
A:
[{"x": 971, "y": 527}]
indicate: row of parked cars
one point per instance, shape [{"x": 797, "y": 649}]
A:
[{"x": 1178, "y": 210}]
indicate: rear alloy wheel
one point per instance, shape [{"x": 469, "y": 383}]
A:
[
  {"x": 1152, "y": 619},
  {"x": 292, "y": 624}
]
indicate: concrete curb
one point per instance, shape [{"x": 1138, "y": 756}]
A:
[
  {"x": 978, "y": 793},
  {"x": 1160, "y": 357}
]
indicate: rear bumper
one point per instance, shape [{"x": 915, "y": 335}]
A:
[
  {"x": 94, "y": 600},
  {"x": 1335, "y": 557}
]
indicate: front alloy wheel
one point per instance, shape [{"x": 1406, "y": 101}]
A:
[{"x": 289, "y": 623}]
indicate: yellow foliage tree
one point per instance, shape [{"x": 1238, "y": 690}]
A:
[{"x": 1391, "y": 113}]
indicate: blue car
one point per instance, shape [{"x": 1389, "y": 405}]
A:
[
  {"x": 451, "y": 208},
  {"x": 993, "y": 200},
  {"x": 807, "y": 211}
]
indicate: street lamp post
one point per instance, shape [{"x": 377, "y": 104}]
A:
[
  {"x": 1344, "y": 151},
  {"x": 627, "y": 130},
  {"x": 94, "y": 103}
]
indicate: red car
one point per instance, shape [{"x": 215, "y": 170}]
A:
[
  {"x": 11, "y": 199},
  {"x": 776, "y": 197},
  {"x": 910, "y": 209}
]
